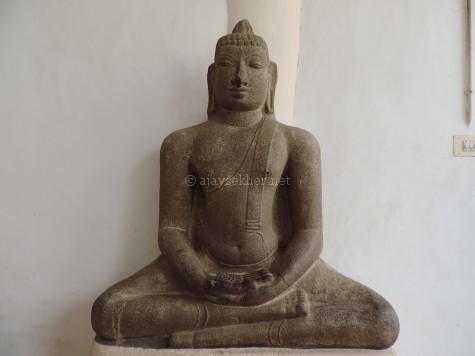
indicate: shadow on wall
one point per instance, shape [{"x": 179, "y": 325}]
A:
[{"x": 140, "y": 222}]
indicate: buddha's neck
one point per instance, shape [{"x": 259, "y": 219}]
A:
[{"x": 241, "y": 118}]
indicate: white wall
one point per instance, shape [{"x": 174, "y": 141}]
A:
[
  {"x": 381, "y": 86},
  {"x": 88, "y": 90}
]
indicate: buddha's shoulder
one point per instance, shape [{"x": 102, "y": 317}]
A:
[
  {"x": 182, "y": 139},
  {"x": 297, "y": 138}
]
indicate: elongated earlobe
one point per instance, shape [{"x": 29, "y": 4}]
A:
[
  {"x": 211, "y": 100},
  {"x": 269, "y": 104}
]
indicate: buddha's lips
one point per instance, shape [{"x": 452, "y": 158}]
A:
[
  {"x": 238, "y": 93},
  {"x": 239, "y": 90}
]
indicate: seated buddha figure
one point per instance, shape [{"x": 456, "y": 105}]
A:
[{"x": 240, "y": 233}]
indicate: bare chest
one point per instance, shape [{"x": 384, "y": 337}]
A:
[{"x": 233, "y": 153}]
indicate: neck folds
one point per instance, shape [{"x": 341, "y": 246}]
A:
[{"x": 241, "y": 118}]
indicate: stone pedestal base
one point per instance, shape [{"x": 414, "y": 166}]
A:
[{"x": 105, "y": 350}]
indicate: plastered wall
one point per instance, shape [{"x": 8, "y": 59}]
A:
[{"x": 88, "y": 91}]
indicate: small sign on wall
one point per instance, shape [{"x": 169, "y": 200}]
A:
[{"x": 464, "y": 146}]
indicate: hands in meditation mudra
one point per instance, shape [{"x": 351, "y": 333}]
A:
[{"x": 240, "y": 241}]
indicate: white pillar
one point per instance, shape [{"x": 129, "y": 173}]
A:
[{"x": 278, "y": 22}]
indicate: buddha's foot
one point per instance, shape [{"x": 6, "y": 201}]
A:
[
  {"x": 291, "y": 306},
  {"x": 297, "y": 304}
]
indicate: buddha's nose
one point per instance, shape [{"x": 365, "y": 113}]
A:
[{"x": 240, "y": 79}]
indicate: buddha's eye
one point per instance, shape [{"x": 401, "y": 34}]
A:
[
  {"x": 255, "y": 65},
  {"x": 225, "y": 63}
]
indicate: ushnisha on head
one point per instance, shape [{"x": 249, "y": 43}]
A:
[
  {"x": 242, "y": 78},
  {"x": 242, "y": 35}
]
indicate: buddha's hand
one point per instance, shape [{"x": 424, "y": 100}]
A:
[
  {"x": 264, "y": 292},
  {"x": 230, "y": 287}
]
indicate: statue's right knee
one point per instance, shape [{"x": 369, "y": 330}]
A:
[
  {"x": 386, "y": 325},
  {"x": 102, "y": 316}
]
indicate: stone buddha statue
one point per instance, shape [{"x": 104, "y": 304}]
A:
[{"x": 240, "y": 233}]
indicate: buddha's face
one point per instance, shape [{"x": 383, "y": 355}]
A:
[{"x": 241, "y": 77}]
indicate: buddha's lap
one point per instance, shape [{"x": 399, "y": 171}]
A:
[
  {"x": 324, "y": 286},
  {"x": 336, "y": 303}
]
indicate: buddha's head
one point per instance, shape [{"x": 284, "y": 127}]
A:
[{"x": 242, "y": 78}]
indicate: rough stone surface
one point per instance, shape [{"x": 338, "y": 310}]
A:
[{"x": 240, "y": 233}]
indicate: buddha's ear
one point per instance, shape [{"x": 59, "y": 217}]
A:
[
  {"x": 211, "y": 99},
  {"x": 269, "y": 104}
]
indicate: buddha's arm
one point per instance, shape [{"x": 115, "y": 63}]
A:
[
  {"x": 304, "y": 194},
  {"x": 175, "y": 207},
  {"x": 305, "y": 202}
]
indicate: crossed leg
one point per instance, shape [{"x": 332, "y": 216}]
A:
[
  {"x": 343, "y": 314},
  {"x": 153, "y": 302}
]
